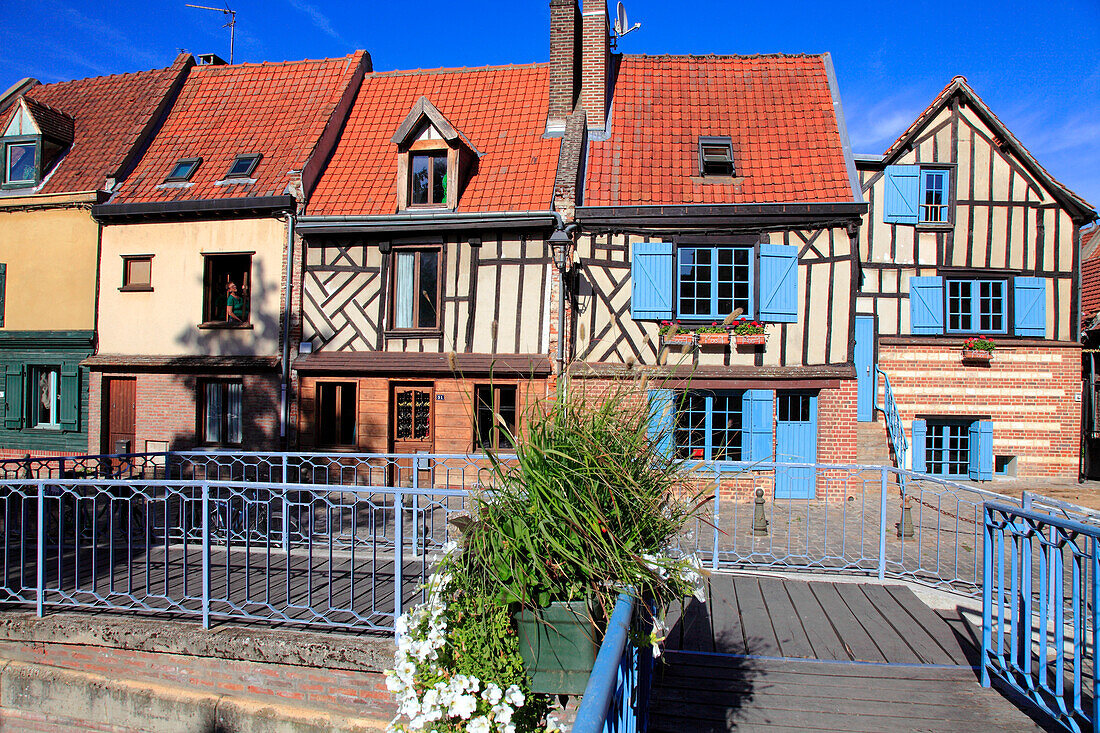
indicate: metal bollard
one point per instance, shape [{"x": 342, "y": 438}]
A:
[
  {"x": 905, "y": 526},
  {"x": 759, "y": 521}
]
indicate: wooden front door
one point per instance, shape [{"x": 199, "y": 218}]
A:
[
  {"x": 119, "y": 415},
  {"x": 412, "y": 427}
]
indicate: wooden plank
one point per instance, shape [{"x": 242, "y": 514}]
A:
[
  {"x": 936, "y": 627},
  {"x": 729, "y": 637},
  {"x": 792, "y": 638},
  {"x": 822, "y": 636},
  {"x": 760, "y": 637},
  {"x": 698, "y": 636},
  {"x": 885, "y": 637},
  {"x": 857, "y": 643},
  {"x": 675, "y": 628},
  {"x": 915, "y": 635}
]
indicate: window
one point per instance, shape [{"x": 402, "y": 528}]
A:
[
  {"x": 428, "y": 179},
  {"x": 708, "y": 426},
  {"x": 226, "y": 289},
  {"x": 416, "y": 285},
  {"x": 137, "y": 272},
  {"x": 496, "y": 416},
  {"x": 243, "y": 165},
  {"x": 715, "y": 156},
  {"x": 713, "y": 281},
  {"x": 44, "y": 398},
  {"x": 21, "y": 163},
  {"x": 336, "y": 414},
  {"x": 933, "y": 196},
  {"x": 220, "y": 413},
  {"x": 183, "y": 170},
  {"x": 412, "y": 414},
  {"x": 947, "y": 449},
  {"x": 976, "y": 306}
]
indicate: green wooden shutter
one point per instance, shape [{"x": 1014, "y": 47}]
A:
[
  {"x": 1029, "y": 306},
  {"x": 902, "y": 193},
  {"x": 651, "y": 281},
  {"x": 778, "y": 283},
  {"x": 981, "y": 450},
  {"x": 920, "y": 432},
  {"x": 3, "y": 290},
  {"x": 662, "y": 420},
  {"x": 14, "y": 377},
  {"x": 756, "y": 424},
  {"x": 70, "y": 396},
  {"x": 926, "y": 305}
]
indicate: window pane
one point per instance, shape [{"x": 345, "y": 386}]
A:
[
  {"x": 242, "y": 166},
  {"x": 947, "y": 449},
  {"x": 212, "y": 410},
  {"x": 45, "y": 397},
  {"x": 507, "y": 411},
  {"x": 404, "y": 415},
  {"x": 326, "y": 413},
  {"x": 690, "y": 433},
  {"x": 959, "y": 305},
  {"x": 439, "y": 178},
  {"x": 695, "y": 282},
  {"x": 429, "y": 266},
  {"x": 726, "y": 427},
  {"x": 233, "y": 413},
  {"x": 934, "y": 207},
  {"x": 348, "y": 414},
  {"x": 991, "y": 305},
  {"x": 484, "y": 396},
  {"x": 403, "y": 289},
  {"x": 422, "y": 406},
  {"x": 21, "y": 162},
  {"x": 138, "y": 271},
  {"x": 226, "y": 296},
  {"x": 419, "y": 179}
]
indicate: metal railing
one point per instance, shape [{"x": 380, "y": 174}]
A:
[
  {"x": 894, "y": 427},
  {"x": 1040, "y": 599},
  {"x": 119, "y": 466},
  {"x": 616, "y": 699}
]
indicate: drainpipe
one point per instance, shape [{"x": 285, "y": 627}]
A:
[
  {"x": 560, "y": 241},
  {"x": 284, "y": 388}
]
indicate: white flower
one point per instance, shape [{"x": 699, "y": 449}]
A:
[
  {"x": 552, "y": 725},
  {"x": 449, "y": 547},
  {"x": 514, "y": 696},
  {"x": 480, "y": 724},
  {"x": 502, "y": 714},
  {"x": 463, "y": 706},
  {"x": 492, "y": 693}
]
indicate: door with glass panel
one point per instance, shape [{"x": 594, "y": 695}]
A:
[
  {"x": 412, "y": 428},
  {"x": 795, "y": 442}
]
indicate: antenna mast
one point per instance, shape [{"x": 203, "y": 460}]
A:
[{"x": 231, "y": 24}]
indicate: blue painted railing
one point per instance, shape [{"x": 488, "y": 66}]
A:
[
  {"x": 616, "y": 699},
  {"x": 1040, "y": 599},
  {"x": 894, "y": 427}
]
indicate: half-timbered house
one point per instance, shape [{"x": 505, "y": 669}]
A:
[
  {"x": 193, "y": 298},
  {"x": 64, "y": 148},
  {"x": 968, "y": 235},
  {"x": 716, "y": 185}
]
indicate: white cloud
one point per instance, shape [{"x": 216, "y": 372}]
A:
[{"x": 319, "y": 19}]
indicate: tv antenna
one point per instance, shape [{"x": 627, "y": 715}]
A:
[
  {"x": 231, "y": 24},
  {"x": 622, "y": 26}
]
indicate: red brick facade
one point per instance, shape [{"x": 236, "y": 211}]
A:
[{"x": 1031, "y": 394}]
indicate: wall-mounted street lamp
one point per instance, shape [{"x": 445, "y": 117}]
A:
[{"x": 560, "y": 242}]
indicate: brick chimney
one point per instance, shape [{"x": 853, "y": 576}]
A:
[
  {"x": 565, "y": 71},
  {"x": 595, "y": 62}
]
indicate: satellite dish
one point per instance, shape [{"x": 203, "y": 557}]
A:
[{"x": 622, "y": 26}]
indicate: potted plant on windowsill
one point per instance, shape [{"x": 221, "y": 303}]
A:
[
  {"x": 749, "y": 333},
  {"x": 713, "y": 335},
  {"x": 978, "y": 349},
  {"x": 672, "y": 333}
]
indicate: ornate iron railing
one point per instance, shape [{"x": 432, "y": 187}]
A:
[{"x": 894, "y": 427}]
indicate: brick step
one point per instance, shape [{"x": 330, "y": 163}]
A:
[{"x": 873, "y": 444}]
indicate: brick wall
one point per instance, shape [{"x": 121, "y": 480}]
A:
[
  {"x": 1030, "y": 393},
  {"x": 166, "y": 409}
]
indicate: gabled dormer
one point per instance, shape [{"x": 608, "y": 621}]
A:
[
  {"x": 35, "y": 135},
  {"x": 434, "y": 159}
]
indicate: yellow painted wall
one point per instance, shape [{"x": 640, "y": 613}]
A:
[
  {"x": 165, "y": 322},
  {"x": 50, "y": 255}
]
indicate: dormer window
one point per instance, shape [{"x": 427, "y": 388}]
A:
[
  {"x": 21, "y": 163},
  {"x": 243, "y": 165},
  {"x": 34, "y": 137},
  {"x": 183, "y": 170},
  {"x": 428, "y": 179},
  {"x": 715, "y": 156}
]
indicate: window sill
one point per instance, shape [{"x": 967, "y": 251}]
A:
[
  {"x": 136, "y": 289},
  {"x": 215, "y": 325},
  {"x": 934, "y": 226},
  {"x": 415, "y": 333}
]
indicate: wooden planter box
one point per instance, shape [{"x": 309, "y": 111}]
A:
[
  {"x": 977, "y": 356},
  {"x": 751, "y": 339},
  {"x": 713, "y": 339},
  {"x": 683, "y": 337},
  {"x": 558, "y": 645}
]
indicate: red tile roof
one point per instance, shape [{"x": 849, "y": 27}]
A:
[
  {"x": 109, "y": 114},
  {"x": 501, "y": 110},
  {"x": 276, "y": 109},
  {"x": 52, "y": 123},
  {"x": 778, "y": 110},
  {"x": 1090, "y": 275}
]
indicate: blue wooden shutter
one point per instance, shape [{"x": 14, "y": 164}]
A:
[
  {"x": 13, "y": 396},
  {"x": 651, "y": 281},
  {"x": 981, "y": 450},
  {"x": 662, "y": 419},
  {"x": 778, "y": 283},
  {"x": 1030, "y": 298},
  {"x": 902, "y": 194},
  {"x": 70, "y": 396},
  {"x": 3, "y": 290},
  {"x": 926, "y": 305},
  {"x": 920, "y": 433},
  {"x": 756, "y": 424}
]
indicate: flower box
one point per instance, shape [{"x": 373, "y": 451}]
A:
[
  {"x": 714, "y": 338},
  {"x": 683, "y": 337},
  {"x": 977, "y": 355},
  {"x": 558, "y": 645},
  {"x": 751, "y": 339}
]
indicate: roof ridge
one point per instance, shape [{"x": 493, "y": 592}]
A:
[
  {"x": 723, "y": 56},
  {"x": 457, "y": 69},
  {"x": 257, "y": 64},
  {"x": 159, "y": 69}
]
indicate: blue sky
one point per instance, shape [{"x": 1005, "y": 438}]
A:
[{"x": 1037, "y": 64}]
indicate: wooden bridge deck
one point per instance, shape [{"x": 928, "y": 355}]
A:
[{"x": 796, "y": 655}]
